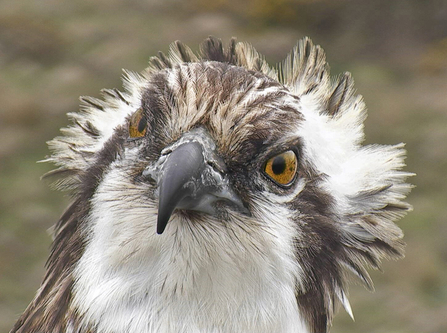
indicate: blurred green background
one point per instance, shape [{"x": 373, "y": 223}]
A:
[{"x": 51, "y": 52}]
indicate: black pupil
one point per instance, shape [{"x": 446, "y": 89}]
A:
[
  {"x": 142, "y": 124},
  {"x": 278, "y": 165}
]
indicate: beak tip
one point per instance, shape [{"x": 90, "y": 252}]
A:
[{"x": 161, "y": 225}]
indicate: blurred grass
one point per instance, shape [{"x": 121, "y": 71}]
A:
[{"x": 53, "y": 52}]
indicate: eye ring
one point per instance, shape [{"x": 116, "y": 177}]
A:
[
  {"x": 138, "y": 124},
  {"x": 282, "y": 168}
]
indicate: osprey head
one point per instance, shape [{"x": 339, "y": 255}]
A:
[{"x": 218, "y": 194}]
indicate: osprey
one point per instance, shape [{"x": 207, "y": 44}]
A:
[{"x": 218, "y": 194}]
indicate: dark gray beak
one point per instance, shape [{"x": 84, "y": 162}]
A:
[{"x": 188, "y": 180}]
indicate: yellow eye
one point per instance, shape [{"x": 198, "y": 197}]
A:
[
  {"x": 138, "y": 124},
  {"x": 282, "y": 168}
]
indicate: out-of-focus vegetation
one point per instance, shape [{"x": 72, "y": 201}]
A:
[{"x": 51, "y": 52}]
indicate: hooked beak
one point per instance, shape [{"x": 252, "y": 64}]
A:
[{"x": 187, "y": 180}]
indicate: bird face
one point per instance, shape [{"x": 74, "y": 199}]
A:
[
  {"x": 219, "y": 195},
  {"x": 219, "y": 146}
]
